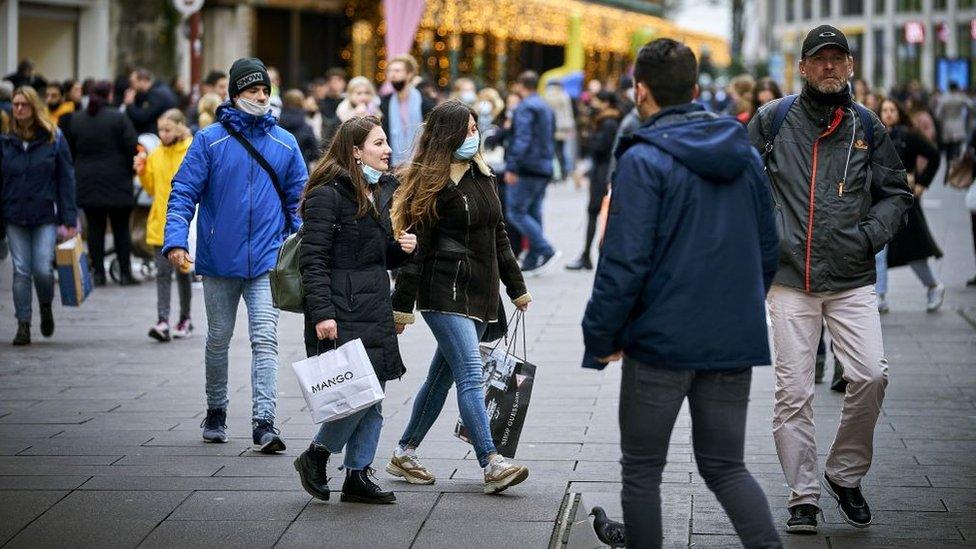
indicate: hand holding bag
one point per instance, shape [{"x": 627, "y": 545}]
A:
[{"x": 338, "y": 383}]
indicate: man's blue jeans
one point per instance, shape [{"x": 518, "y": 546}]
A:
[
  {"x": 221, "y": 297},
  {"x": 524, "y": 204},
  {"x": 32, "y": 253},
  {"x": 358, "y": 433},
  {"x": 457, "y": 360}
]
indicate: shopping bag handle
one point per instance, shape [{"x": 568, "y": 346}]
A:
[
  {"x": 519, "y": 318},
  {"x": 318, "y": 345},
  {"x": 505, "y": 337}
]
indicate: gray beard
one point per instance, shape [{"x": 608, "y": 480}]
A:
[{"x": 828, "y": 88}]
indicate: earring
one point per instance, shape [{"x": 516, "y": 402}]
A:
[{"x": 359, "y": 161}]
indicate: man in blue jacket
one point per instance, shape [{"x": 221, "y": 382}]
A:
[
  {"x": 689, "y": 254},
  {"x": 528, "y": 169},
  {"x": 244, "y": 218}
]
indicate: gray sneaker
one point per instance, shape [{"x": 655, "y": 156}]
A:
[
  {"x": 936, "y": 296},
  {"x": 215, "y": 425},
  {"x": 883, "y": 304}
]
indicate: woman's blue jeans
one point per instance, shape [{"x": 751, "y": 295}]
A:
[
  {"x": 359, "y": 434},
  {"x": 457, "y": 360},
  {"x": 32, "y": 254}
]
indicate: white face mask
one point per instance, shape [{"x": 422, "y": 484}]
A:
[{"x": 253, "y": 108}]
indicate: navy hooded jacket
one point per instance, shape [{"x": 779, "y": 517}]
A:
[{"x": 690, "y": 248}]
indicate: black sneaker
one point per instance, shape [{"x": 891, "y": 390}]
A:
[
  {"x": 851, "y": 503},
  {"x": 98, "y": 279},
  {"x": 542, "y": 264},
  {"x": 803, "y": 519},
  {"x": 23, "y": 334},
  {"x": 312, "y": 467},
  {"x": 266, "y": 439},
  {"x": 215, "y": 425},
  {"x": 360, "y": 488},
  {"x": 839, "y": 384},
  {"x": 971, "y": 282},
  {"x": 47, "y": 320}
]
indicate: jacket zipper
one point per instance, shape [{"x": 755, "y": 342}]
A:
[
  {"x": 838, "y": 117},
  {"x": 467, "y": 234}
]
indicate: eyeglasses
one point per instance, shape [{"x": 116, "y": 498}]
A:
[{"x": 19, "y": 105}]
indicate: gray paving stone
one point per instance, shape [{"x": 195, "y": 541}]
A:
[
  {"x": 446, "y": 534},
  {"x": 242, "y": 505},
  {"x": 215, "y": 533},
  {"x": 36, "y": 482},
  {"x": 19, "y": 508}
]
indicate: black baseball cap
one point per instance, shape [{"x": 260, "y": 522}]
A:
[{"x": 824, "y": 36}]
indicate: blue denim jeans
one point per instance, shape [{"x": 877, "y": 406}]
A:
[
  {"x": 524, "y": 205},
  {"x": 358, "y": 433},
  {"x": 221, "y": 297},
  {"x": 920, "y": 266},
  {"x": 32, "y": 253},
  {"x": 457, "y": 360}
]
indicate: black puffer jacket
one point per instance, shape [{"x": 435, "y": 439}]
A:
[
  {"x": 344, "y": 260},
  {"x": 829, "y": 233},
  {"x": 462, "y": 256},
  {"x": 103, "y": 146}
]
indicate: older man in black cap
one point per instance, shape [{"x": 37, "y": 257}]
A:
[{"x": 840, "y": 194}]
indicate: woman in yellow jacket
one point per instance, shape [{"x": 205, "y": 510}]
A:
[{"x": 156, "y": 176}]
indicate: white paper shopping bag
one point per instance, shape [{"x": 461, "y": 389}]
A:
[{"x": 338, "y": 383}]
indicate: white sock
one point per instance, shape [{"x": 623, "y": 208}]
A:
[{"x": 399, "y": 452}]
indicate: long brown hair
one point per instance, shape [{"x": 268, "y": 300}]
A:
[
  {"x": 429, "y": 171},
  {"x": 40, "y": 119},
  {"x": 340, "y": 161}
]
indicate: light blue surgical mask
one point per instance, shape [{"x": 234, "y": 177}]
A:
[
  {"x": 371, "y": 174},
  {"x": 468, "y": 149}
]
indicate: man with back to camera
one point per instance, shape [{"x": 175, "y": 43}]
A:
[{"x": 689, "y": 253}]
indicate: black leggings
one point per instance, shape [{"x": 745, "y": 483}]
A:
[
  {"x": 599, "y": 183},
  {"x": 119, "y": 217}
]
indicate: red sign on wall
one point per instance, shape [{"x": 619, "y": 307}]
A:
[
  {"x": 942, "y": 32},
  {"x": 914, "y": 32}
]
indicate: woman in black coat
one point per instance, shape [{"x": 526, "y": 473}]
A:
[
  {"x": 448, "y": 195},
  {"x": 600, "y": 143},
  {"x": 347, "y": 247},
  {"x": 103, "y": 142},
  {"x": 913, "y": 244}
]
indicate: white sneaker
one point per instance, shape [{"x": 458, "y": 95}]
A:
[
  {"x": 409, "y": 468},
  {"x": 501, "y": 473},
  {"x": 936, "y": 296}
]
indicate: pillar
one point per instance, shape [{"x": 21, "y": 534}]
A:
[{"x": 8, "y": 36}]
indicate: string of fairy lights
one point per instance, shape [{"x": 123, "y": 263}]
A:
[{"x": 479, "y": 38}]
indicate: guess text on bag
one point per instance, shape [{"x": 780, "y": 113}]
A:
[{"x": 325, "y": 384}]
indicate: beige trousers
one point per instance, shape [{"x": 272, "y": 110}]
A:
[{"x": 854, "y": 325}]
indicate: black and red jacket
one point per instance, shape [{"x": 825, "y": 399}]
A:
[{"x": 837, "y": 201}]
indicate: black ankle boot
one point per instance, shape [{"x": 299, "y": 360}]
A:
[
  {"x": 47, "y": 320},
  {"x": 360, "y": 488},
  {"x": 98, "y": 278},
  {"x": 582, "y": 263},
  {"x": 312, "y": 467},
  {"x": 126, "y": 279},
  {"x": 23, "y": 334}
]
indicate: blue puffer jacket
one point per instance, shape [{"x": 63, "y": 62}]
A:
[
  {"x": 532, "y": 146},
  {"x": 241, "y": 225},
  {"x": 690, "y": 249},
  {"x": 38, "y": 184}
]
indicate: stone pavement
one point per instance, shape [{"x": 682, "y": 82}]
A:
[{"x": 100, "y": 440}]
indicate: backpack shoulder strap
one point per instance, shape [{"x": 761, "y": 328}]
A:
[
  {"x": 263, "y": 162},
  {"x": 867, "y": 122},
  {"x": 782, "y": 109}
]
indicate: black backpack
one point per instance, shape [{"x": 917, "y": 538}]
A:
[{"x": 784, "y": 106}]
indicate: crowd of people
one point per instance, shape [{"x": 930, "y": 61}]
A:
[{"x": 744, "y": 203}]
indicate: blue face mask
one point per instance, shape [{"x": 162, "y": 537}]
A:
[
  {"x": 468, "y": 149},
  {"x": 371, "y": 174}
]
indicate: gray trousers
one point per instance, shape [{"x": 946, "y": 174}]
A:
[
  {"x": 164, "y": 278},
  {"x": 650, "y": 399}
]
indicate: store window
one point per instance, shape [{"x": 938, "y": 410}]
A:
[
  {"x": 908, "y": 64},
  {"x": 807, "y": 9},
  {"x": 908, "y": 5},
  {"x": 852, "y": 7},
  {"x": 790, "y": 11},
  {"x": 825, "y": 8},
  {"x": 940, "y": 5},
  {"x": 967, "y": 47},
  {"x": 966, "y": 4},
  {"x": 879, "y": 57},
  {"x": 879, "y": 6}
]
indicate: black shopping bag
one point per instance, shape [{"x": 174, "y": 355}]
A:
[{"x": 507, "y": 384}]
